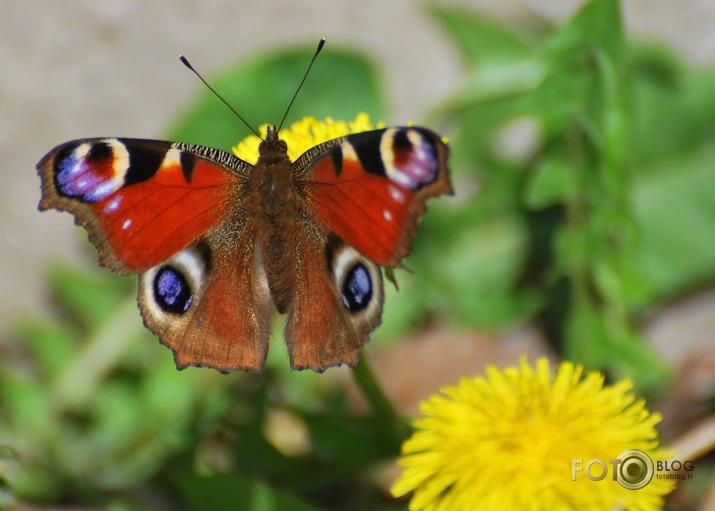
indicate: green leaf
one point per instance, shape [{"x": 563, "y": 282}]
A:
[
  {"x": 52, "y": 345},
  {"x": 484, "y": 265},
  {"x": 553, "y": 182},
  {"x": 675, "y": 208},
  {"x": 231, "y": 492},
  {"x": 90, "y": 297},
  {"x": 673, "y": 113},
  {"x": 596, "y": 26},
  {"x": 583, "y": 64},
  {"x": 604, "y": 341},
  {"x": 482, "y": 41}
]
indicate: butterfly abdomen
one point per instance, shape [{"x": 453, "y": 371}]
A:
[{"x": 279, "y": 253}]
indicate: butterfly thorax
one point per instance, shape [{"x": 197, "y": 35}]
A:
[{"x": 273, "y": 191}]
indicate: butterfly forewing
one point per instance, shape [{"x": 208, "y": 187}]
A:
[
  {"x": 141, "y": 201},
  {"x": 371, "y": 188}
]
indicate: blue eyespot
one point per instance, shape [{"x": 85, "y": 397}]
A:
[
  {"x": 171, "y": 291},
  {"x": 89, "y": 176},
  {"x": 357, "y": 289}
]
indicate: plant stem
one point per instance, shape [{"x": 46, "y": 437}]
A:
[{"x": 379, "y": 403}]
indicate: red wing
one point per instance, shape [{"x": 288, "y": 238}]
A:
[
  {"x": 142, "y": 201},
  {"x": 371, "y": 188}
]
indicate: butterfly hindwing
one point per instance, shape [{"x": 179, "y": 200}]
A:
[
  {"x": 370, "y": 188},
  {"x": 338, "y": 302},
  {"x": 210, "y": 303},
  {"x": 141, "y": 201}
]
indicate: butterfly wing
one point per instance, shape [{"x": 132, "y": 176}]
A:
[
  {"x": 364, "y": 195},
  {"x": 338, "y": 302},
  {"x": 166, "y": 211},
  {"x": 371, "y": 188},
  {"x": 141, "y": 201},
  {"x": 210, "y": 303}
]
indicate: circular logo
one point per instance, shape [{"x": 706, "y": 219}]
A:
[{"x": 635, "y": 470}]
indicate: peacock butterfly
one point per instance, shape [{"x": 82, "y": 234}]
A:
[{"x": 216, "y": 240}]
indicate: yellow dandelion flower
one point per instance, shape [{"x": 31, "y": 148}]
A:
[
  {"x": 508, "y": 441},
  {"x": 304, "y": 134}
]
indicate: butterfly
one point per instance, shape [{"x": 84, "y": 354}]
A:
[{"x": 217, "y": 241}]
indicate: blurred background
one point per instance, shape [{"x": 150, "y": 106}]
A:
[{"x": 615, "y": 268}]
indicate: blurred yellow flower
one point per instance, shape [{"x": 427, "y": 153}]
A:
[
  {"x": 507, "y": 440},
  {"x": 304, "y": 134}
]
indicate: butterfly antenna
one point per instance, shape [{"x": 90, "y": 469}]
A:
[
  {"x": 320, "y": 47},
  {"x": 186, "y": 63}
]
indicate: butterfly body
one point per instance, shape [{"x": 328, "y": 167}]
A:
[{"x": 217, "y": 241}]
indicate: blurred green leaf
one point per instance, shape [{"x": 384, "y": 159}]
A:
[
  {"x": 552, "y": 182},
  {"x": 52, "y": 344},
  {"x": 230, "y": 492},
  {"x": 674, "y": 205},
  {"x": 91, "y": 298},
  {"x": 673, "y": 109},
  {"x": 482, "y": 41}
]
